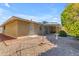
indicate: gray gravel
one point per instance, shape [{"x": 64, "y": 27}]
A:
[{"x": 66, "y": 46}]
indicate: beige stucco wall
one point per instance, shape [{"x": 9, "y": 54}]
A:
[
  {"x": 18, "y": 28},
  {"x": 23, "y": 28},
  {"x": 37, "y": 29},
  {"x": 11, "y": 28},
  {"x": 54, "y": 29}
]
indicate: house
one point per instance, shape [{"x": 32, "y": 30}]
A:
[{"x": 17, "y": 27}]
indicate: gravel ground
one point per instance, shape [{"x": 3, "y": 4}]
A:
[
  {"x": 24, "y": 46},
  {"x": 65, "y": 46}
]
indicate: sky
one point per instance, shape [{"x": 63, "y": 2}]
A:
[{"x": 38, "y": 12}]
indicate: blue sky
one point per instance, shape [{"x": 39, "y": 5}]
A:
[{"x": 37, "y": 12}]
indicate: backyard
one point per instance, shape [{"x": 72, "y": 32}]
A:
[
  {"x": 52, "y": 33},
  {"x": 40, "y": 45}
]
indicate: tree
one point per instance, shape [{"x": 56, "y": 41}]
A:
[{"x": 70, "y": 19}]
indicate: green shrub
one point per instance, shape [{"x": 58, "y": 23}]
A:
[
  {"x": 62, "y": 33},
  {"x": 77, "y": 37},
  {"x": 70, "y": 19}
]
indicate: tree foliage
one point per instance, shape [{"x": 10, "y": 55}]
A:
[{"x": 70, "y": 19}]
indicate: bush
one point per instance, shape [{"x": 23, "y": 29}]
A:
[
  {"x": 70, "y": 19},
  {"x": 77, "y": 37},
  {"x": 62, "y": 33}
]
